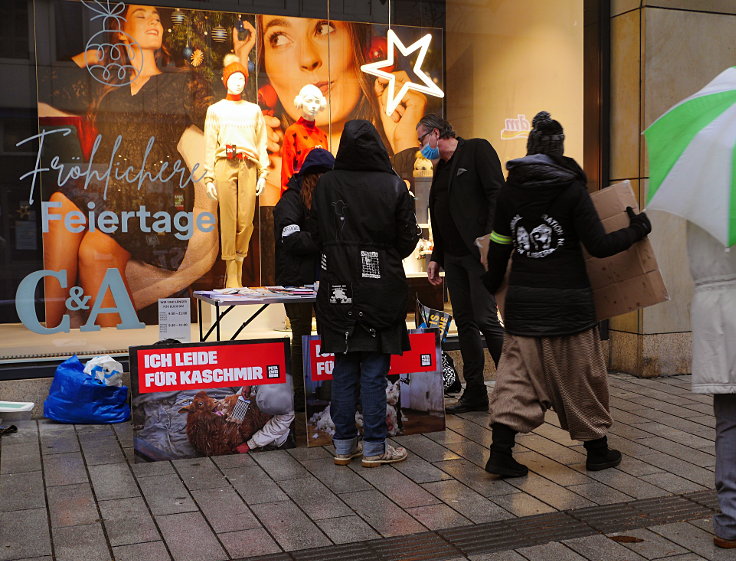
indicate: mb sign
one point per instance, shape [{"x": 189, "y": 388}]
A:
[{"x": 78, "y": 300}]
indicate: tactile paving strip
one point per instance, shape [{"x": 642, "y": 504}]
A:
[{"x": 514, "y": 533}]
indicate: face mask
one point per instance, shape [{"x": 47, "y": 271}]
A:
[{"x": 429, "y": 152}]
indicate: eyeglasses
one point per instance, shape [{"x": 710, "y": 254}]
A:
[{"x": 421, "y": 138}]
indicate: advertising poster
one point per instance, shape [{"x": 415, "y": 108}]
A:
[
  {"x": 119, "y": 182},
  {"x": 211, "y": 399},
  {"x": 414, "y": 391}
]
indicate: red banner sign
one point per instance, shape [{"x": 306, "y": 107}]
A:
[
  {"x": 209, "y": 366},
  {"x": 421, "y": 358}
]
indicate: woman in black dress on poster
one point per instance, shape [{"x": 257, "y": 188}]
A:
[{"x": 143, "y": 118}]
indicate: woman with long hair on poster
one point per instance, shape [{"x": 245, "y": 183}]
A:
[
  {"x": 141, "y": 115},
  {"x": 293, "y": 52}
]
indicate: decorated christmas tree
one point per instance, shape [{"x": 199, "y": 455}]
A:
[{"x": 200, "y": 39}]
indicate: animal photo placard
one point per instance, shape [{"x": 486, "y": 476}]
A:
[
  {"x": 414, "y": 390},
  {"x": 210, "y": 399}
]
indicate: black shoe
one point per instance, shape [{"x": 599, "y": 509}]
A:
[
  {"x": 505, "y": 465},
  {"x": 600, "y": 456},
  {"x": 464, "y": 406}
]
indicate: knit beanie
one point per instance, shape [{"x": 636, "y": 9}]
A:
[
  {"x": 546, "y": 136},
  {"x": 232, "y": 65},
  {"x": 318, "y": 160}
]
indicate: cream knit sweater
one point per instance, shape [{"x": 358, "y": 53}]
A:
[{"x": 235, "y": 122}]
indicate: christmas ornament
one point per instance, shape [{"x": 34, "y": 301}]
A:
[
  {"x": 375, "y": 69},
  {"x": 187, "y": 52},
  {"x": 243, "y": 33},
  {"x": 118, "y": 69},
  {"x": 197, "y": 57},
  {"x": 267, "y": 97},
  {"x": 178, "y": 17},
  {"x": 219, "y": 34},
  {"x": 377, "y": 50},
  {"x": 24, "y": 212}
]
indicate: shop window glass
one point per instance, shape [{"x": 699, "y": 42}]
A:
[
  {"x": 497, "y": 62},
  {"x": 14, "y": 36}
]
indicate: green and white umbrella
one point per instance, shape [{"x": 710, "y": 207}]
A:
[{"x": 692, "y": 159}]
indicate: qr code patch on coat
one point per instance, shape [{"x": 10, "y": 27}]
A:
[{"x": 370, "y": 266}]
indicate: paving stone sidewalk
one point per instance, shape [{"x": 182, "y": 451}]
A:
[{"x": 74, "y": 493}]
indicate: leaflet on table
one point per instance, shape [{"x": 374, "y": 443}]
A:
[{"x": 258, "y": 293}]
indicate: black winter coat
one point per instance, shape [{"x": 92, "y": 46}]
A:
[
  {"x": 366, "y": 226},
  {"x": 476, "y": 178},
  {"x": 297, "y": 252},
  {"x": 543, "y": 215}
]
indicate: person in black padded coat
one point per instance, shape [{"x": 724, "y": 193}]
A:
[
  {"x": 297, "y": 252},
  {"x": 552, "y": 355},
  {"x": 366, "y": 227}
]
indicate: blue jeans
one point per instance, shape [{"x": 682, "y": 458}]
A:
[
  {"x": 724, "y": 523},
  {"x": 361, "y": 373}
]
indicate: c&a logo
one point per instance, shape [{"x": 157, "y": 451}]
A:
[{"x": 113, "y": 282}]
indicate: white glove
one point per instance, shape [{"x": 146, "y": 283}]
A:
[
  {"x": 211, "y": 191},
  {"x": 260, "y": 184}
]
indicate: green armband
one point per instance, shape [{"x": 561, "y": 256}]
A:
[{"x": 500, "y": 239}]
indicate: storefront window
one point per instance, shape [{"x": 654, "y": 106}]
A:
[
  {"x": 104, "y": 205},
  {"x": 110, "y": 208}
]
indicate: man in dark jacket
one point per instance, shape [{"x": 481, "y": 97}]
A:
[
  {"x": 462, "y": 200},
  {"x": 366, "y": 226},
  {"x": 297, "y": 252}
]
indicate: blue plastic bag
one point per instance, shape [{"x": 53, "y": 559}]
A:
[{"x": 76, "y": 397}]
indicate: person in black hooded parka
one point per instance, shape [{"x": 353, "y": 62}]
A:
[
  {"x": 366, "y": 226},
  {"x": 297, "y": 252},
  {"x": 552, "y": 355}
]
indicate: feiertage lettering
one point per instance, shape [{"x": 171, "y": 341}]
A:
[
  {"x": 109, "y": 222},
  {"x": 115, "y": 169}
]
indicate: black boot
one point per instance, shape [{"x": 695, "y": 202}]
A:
[
  {"x": 471, "y": 400},
  {"x": 501, "y": 461},
  {"x": 600, "y": 456}
]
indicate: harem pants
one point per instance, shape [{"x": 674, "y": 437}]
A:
[{"x": 566, "y": 373}]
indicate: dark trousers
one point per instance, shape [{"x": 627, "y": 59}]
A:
[
  {"x": 475, "y": 312},
  {"x": 724, "y": 523},
  {"x": 300, "y": 317}
]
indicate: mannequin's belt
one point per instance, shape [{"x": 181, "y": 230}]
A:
[{"x": 231, "y": 153}]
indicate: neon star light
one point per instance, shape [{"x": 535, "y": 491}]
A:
[{"x": 374, "y": 69}]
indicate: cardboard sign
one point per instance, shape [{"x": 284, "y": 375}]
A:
[
  {"x": 414, "y": 389},
  {"x": 210, "y": 399},
  {"x": 623, "y": 282},
  {"x": 628, "y": 280}
]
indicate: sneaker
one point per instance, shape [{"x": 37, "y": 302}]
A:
[
  {"x": 390, "y": 456},
  {"x": 344, "y": 459}
]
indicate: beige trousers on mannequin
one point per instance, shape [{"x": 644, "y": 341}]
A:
[{"x": 235, "y": 181}]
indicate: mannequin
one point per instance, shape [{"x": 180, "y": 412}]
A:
[
  {"x": 236, "y": 166},
  {"x": 303, "y": 135}
]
